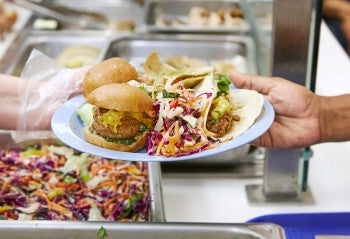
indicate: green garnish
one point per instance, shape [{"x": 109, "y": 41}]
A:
[
  {"x": 102, "y": 233},
  {"x": 223, "y": 83},
  {"x": 130, "y": 205},
  {"x": 145, "y": 90},
  {"x": 143, "y": 128},
  {"x": 127, "y": 141},
  {"x": 167, "y": 94}
]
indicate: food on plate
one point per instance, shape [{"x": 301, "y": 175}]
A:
[
  {"x": 182, "y": 62},
  {"x": 122, "y": 117},
  {"x": 52, "y": 182},
  {"x": 176, "y": 112},
  {"x": 232, "y": 113},
  {"x": 113, "y": 70},
  {"x": 196, "y": 109},
  {"x": 77, "y": 56},
  {"x": 224, "y": 66},
  {"x": 8, "y": 18}
]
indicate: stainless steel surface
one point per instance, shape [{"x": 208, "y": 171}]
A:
[
  {"x": 51, "y": 44},
  {"x": 262, "y": 13},
  {"x": 89, "y": 230},
  {"x": 282, "y": 173},
  {"x": 110, "y": 15},
  {"x": 80, "y": 21},
  {"x": 259, "y": 13},
  {"x": 293, "y": 59},
  {"x": 256, "y": 196},
  {"x": 180, "y": 9},
  {"x": 205, "y": 47},
  {"x": 155, "y": 179},
  {"x": 249, "y": 165}
]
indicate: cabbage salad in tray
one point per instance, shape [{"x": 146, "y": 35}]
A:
[{"x": 48, "y": 182}]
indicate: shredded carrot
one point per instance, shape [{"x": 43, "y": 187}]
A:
[
  {"x": 60, "y": 209},
  {"x": 100, "y": 167}
]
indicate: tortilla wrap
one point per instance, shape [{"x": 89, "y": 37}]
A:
[
  {"x": 247, "y": 104},
  {"x": 171, "y": 77},
  {"x": 155, "y": 67}
]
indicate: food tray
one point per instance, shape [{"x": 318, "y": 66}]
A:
[
  {"x": 89, "y": 230},
  {"x": 179, "y": 10},
  {"x": 204, "y": 47},
  {"x": 308, "y": 225},
  {"x": 156, "y": 213},
  {"x": 52, "y": 44},
  {"x": 23, "y": 16},
  {"x": 117, "y": 15}
]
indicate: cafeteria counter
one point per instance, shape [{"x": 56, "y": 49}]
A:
[{"x": 223, "y": 199}]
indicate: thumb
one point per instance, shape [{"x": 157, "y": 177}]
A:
[{"x": 253, "y": 82}]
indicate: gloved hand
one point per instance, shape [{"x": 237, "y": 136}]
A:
[{"x": 49, "y": 86}]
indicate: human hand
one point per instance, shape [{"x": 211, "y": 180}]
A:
[
  {"x": 39, "y": 99},
  {"x": 296, "y": 122}
]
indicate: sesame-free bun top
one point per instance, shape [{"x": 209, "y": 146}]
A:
[
  {"x": 121, "y": 97},
  {"x": 113, "y": 70}
]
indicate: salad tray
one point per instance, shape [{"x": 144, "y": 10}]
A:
[{"x": 151, "y": 179}]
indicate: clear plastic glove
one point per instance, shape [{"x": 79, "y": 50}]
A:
[{"x": 49, "y": 86}]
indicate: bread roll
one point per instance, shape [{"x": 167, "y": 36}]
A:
[
  {"x": 121, "y": 97},
  {"x": 113, "y": 70}
]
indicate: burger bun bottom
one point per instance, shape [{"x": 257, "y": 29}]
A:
[{"x": 98, "y": 140}]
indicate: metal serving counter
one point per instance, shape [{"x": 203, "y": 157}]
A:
[{"x": 89, "y": 230}]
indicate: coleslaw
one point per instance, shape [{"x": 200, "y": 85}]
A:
[
  {"x": 48, "y": 182},
  {"x": 178, "y": 129}
]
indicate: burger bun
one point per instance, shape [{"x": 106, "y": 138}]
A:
[
  {"x": 121, "y": 97},
  {"x": 112, "y": 70}
]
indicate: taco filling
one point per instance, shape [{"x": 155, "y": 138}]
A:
[{"x": 221, "y": 117}]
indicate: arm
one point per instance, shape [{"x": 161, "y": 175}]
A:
[
  {"x": 335, "y": 118},
  {"x": 38, "y": 99},
  {"x": 302, "y": 117},
  {"x": 9, "y": 101},
  {"x": 339, "y": 10}
]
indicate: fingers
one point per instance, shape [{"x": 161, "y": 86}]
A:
[{"x": 253, "y": 82}]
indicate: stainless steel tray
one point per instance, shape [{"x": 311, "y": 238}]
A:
[
  {"x": 156, "y": 209},
  {"x": 51, "y": 44},
  {"x": 179, "y": 10},
  {"x": 203, "y": 46},
  {"x": 89, "y": 230},
  {"x": 78, "y": 14}
]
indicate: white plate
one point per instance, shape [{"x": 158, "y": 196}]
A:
[{"x": 68, "y": 128}]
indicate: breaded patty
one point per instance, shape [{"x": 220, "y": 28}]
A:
[{"x": 130, "y": 127}]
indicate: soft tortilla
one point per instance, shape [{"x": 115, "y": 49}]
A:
[
  {"x": 154, "y": 66},
  {"x": 189, "y": 78},
  {"x": 248, "y": 104},
  {"x": 172, "y": 77}
]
